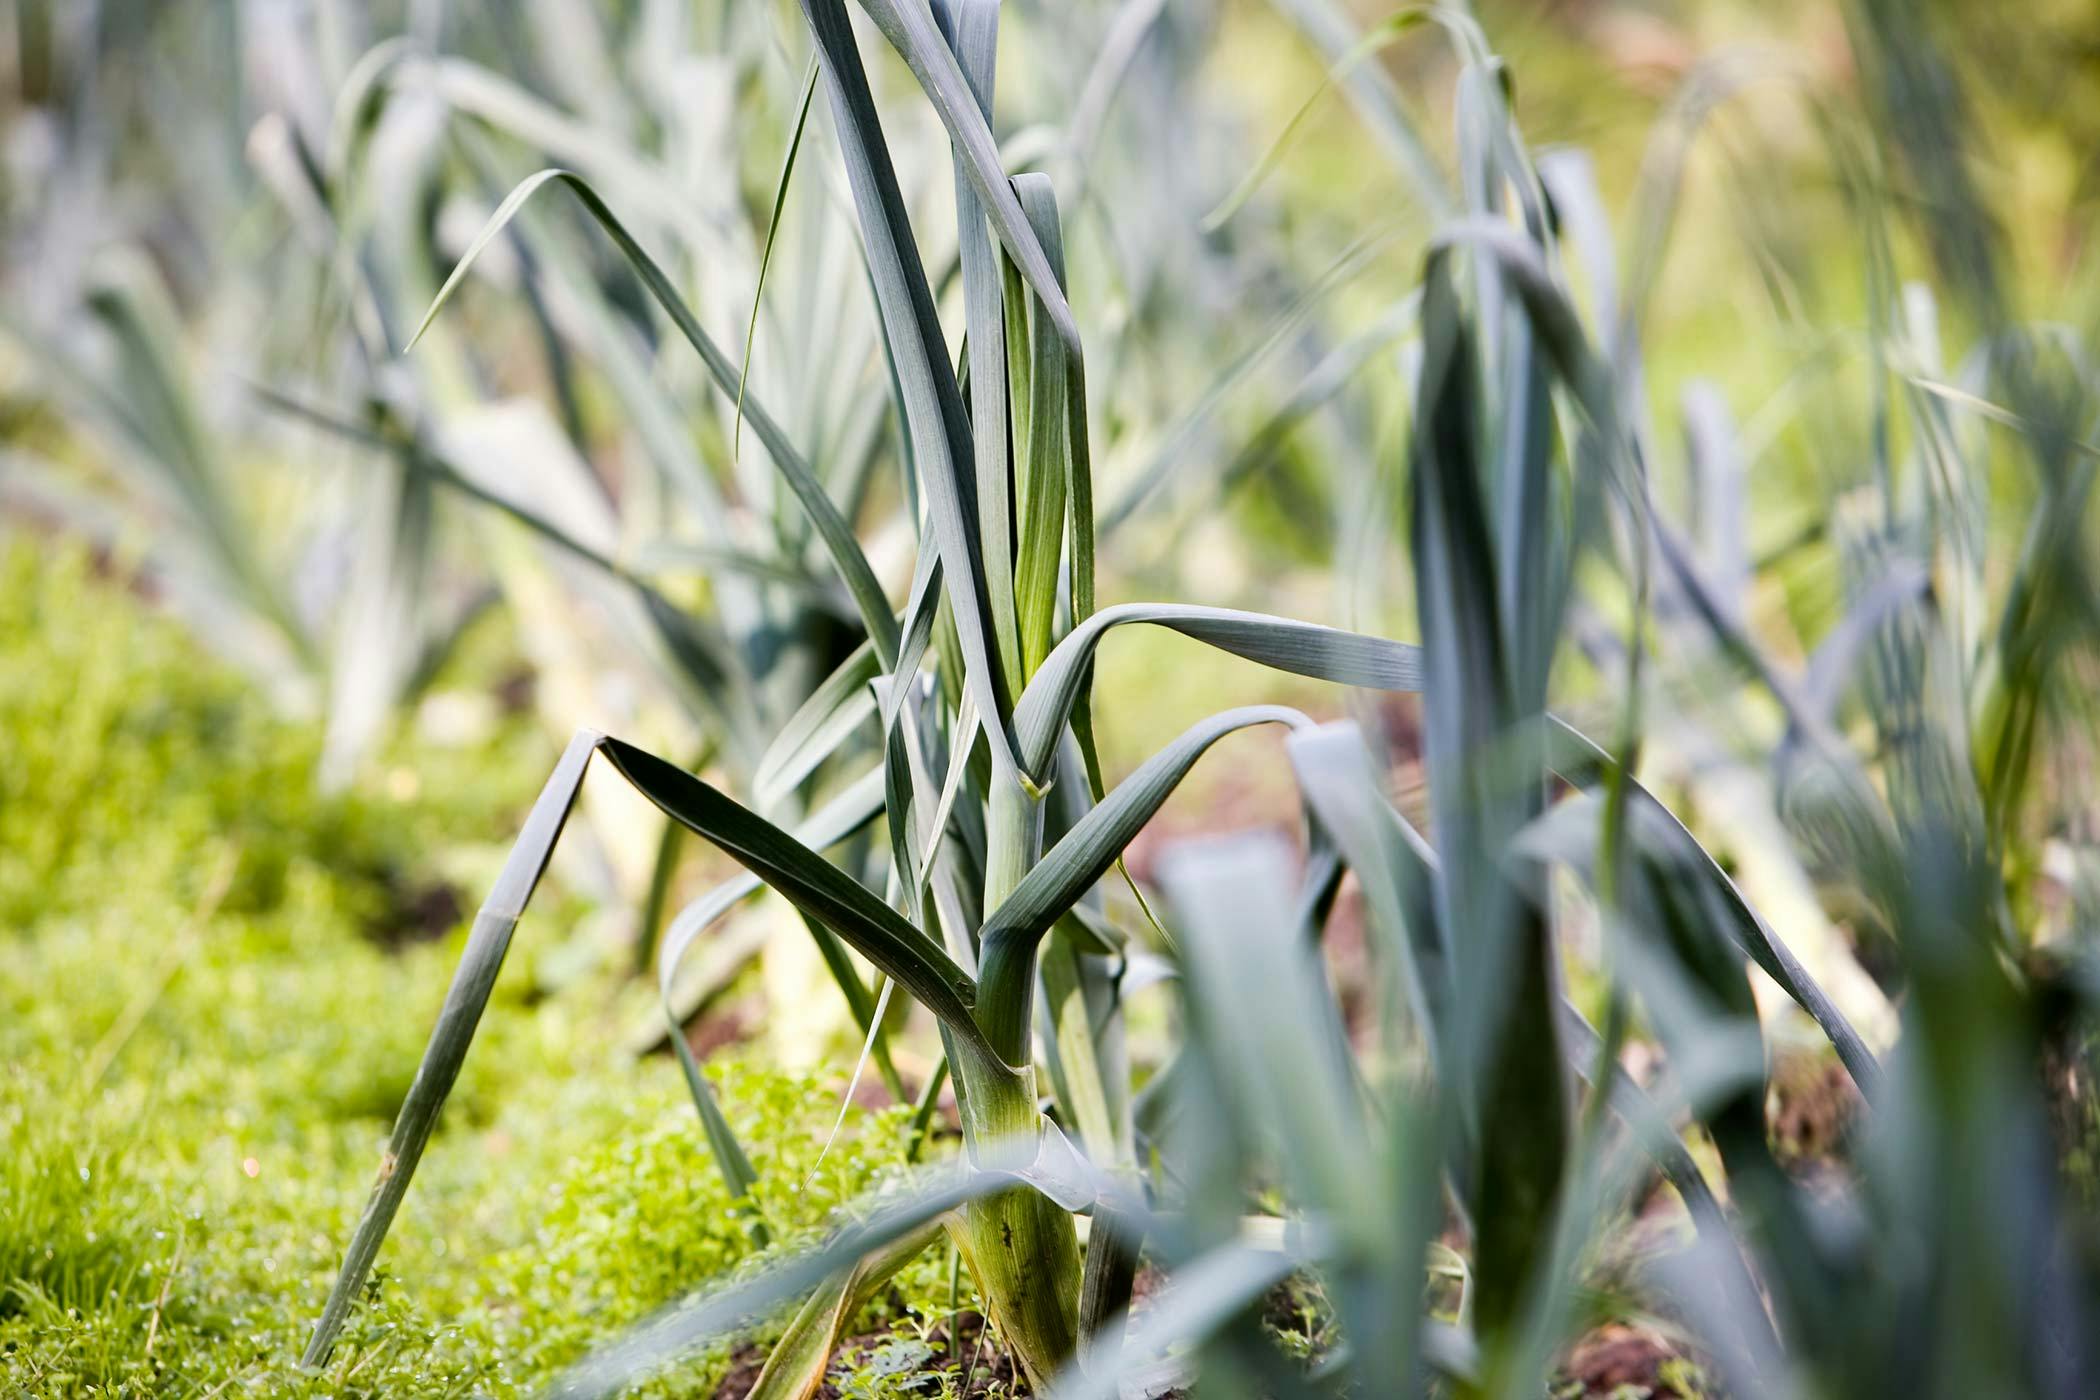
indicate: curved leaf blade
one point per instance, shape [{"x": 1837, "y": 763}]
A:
[
  {"x": 1302, "y": 648},
  {"x": 832, "y": 528},
  {"x": 449, "y": 1039},
  {"x": 806, "y": 880},
  {"x": 1069, "y": 868},
  {"x": 1581, "y": 761},
  {"x": 834, "y": 711}
]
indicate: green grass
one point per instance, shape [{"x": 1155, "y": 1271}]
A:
[{"x": 192, "y": 1106}]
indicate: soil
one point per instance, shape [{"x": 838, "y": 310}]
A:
[
  {"x": 418, "y": 911},
  {"x": 744, "y": 1368},
  {"x": 724, "y": 1024},
  {"x": 1617, "y": 1355},
  {"x": 993, "y": 1374},
  {"x": 1615, "y": 1362},
  {"x": 1810, "y": 1112},
  {"x": 1294, "y": 1310}
]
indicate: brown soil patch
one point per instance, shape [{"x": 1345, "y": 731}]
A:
[
  {"x": 993, "y": 1370},
  {"x": 728, "y": 1023},
  {"x": 1810, "y": 1112},
  {"x": 744, "y": 1368},
  {"x": 1617, "y": 1355}
]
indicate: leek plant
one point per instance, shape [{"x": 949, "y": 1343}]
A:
[
  {"x": 684, "y": 525},
  {"x": 1909, "y": 767},
  {"x": 1525, "y": 460},
  {"x": 133, "y": 289},
  {"x": 998, "y": 829},
  {"x": 1279, "y": 1141},
  {"x": 326, "y": 560}
]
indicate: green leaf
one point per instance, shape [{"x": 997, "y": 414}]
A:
[
  {"x": 1042, "y": 467},
  {"x": 1397, "y": 871},
  {"x": 1583, "y": 762},
  {"x": 1070, "y": 868},
  {"x": 1746, "y": 1325},
  {"x": 819, "y": 889},
  {"x": 795, "y": 1367},
  {"x": 1302, "y": 648},
  {"x": 834, "y": 711},
  {"x": 831, "y": 526},
  {"x": 1338, "y": 778},
  {"x": 802, "y": 876},
  {"x": 1506, "y": 1074},
  {"x": 972, "y": 30},
  {"x": 461, "y": 1014},
  {"x": 859, "y": 803},
  {"x": 910, "y": 30},
  {"x": 937, "y": 425},
  {"x": 921, "y": 611},
  {"x": 1552, "y": 315},
  {"x": 1266, "y": 1018}
]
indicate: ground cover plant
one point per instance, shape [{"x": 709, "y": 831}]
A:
[
  {"x": 1497, "y": 1064},
  {"x": 188, "y": 1125}
]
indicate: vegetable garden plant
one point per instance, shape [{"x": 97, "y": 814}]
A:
[
  {"x": 1527, "y": 474},
  {"x": 987, "y": 780}
]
